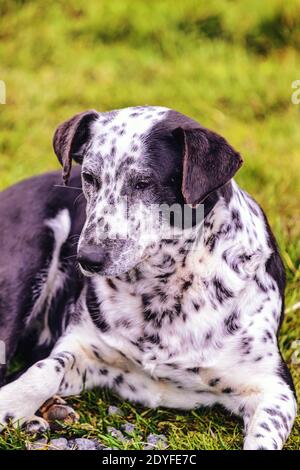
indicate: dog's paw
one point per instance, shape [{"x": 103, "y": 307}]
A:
[
  {"x": 57, "y": 410},
  {"x": 36, "y": 425},
  {"x": 10, "y": 413},
  {"x": 260, "y": 442},
  {"x": 6, "y": 419},
  {"x": 14, "y": 409}
]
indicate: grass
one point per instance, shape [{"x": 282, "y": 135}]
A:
[{"x": 228, "y": 64}]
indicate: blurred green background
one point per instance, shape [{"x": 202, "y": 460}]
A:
[{"x": 228, "y": 64}]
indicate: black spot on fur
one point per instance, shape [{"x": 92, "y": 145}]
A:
[
  {"x": 138, "y": 274},
  {"x": 154, "y": 338},
  {"x": 177, "y": 307},
  {"x": 214, "y": 382},
  {"x": 194, "y": 370},
  {"x": 8, "y": 418},
  {"x": 265, "y": 426},
  {"x": 227, "y": 390},
  {"x": 213, "y": 238},
  {"x": 275, "y": 446},
  {"x": 222, "y": 293},
  {"x": 94, "y": 309},
  {"x": 96, "y": 353},
  {"x": 271, "y": 411},
  {"x": 246, "y": 346},
  {"x": 275, "y": 423},
  {"x": 187, "y": 284},
  {"x": 260, "y": 285},
  {"x": 232, "y": 322},
  {"x": 208, "y": 336},
  {"x": 146, "y": 299},
  {"x": 60, "y": 361},
  {"x": 149, "y": 315},
  {"x": 118, "y": 380},
  {"x": 165, "y": 276},
  {"x": 236, "y": 219}
]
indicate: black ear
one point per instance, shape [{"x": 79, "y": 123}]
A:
[
  {"x": 208, "y": 162},
  {"x": 70, "y": 140}
]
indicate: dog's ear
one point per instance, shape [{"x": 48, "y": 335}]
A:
[
  {"x": 208, "y": 162},
  {"x": 70, "y": 140}
]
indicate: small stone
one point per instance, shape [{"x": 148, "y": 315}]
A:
[
  {"x": 81, "y": 443},
  {"x": 117, "y": 434},
  {"x": 114, "y": 410},
  {"x": 154, "y": 440},
  {"x": 41, "y": 444},
  {"x": 128, "y": 428},
  {"x": 58, "y": 444}
]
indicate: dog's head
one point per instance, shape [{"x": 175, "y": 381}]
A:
[{"x": 136, "y": 162}]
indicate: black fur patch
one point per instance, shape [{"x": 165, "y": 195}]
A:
[
  {"x": 222, "y": 293},
  {"x": 94, "y": 308}
]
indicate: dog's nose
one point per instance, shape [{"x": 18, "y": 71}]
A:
[{"x": 92, "y": 258}]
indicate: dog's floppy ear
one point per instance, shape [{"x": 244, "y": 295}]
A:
[
  {"x": 70, "y": 139},
  {"x": 208, "y": 162}
]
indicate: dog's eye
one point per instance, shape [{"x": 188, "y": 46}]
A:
[
  {"x": 143, "y": 184},
  {"x": 88, "y": 178}
]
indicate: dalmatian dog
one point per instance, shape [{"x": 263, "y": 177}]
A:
[{"x": 96, "y": 293}]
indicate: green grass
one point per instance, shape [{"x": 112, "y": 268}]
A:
[{"x": 228, "y": 64}]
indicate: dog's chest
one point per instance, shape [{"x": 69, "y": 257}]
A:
[{"x": 168, "y": 331}]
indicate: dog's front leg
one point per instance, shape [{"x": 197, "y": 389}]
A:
[
  {"x": 268, "y": 408},
  {"x": 269, "y": 422},
  {"x": 20, "y": 399}
]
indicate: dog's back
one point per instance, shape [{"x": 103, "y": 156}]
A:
[{"x": 27, "y": 245}]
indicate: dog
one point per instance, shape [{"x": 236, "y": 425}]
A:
[{"x": 180, "y": 321}]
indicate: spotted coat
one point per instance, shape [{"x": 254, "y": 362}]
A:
[{"x": 181, "y": 322}]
